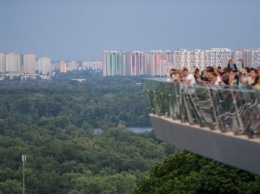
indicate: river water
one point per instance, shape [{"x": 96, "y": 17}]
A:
[
  {"x": 139, "y": 129},
  {"x": 134, "y": 129}
]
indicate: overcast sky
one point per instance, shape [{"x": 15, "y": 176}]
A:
[{"x": 82, "y": 29}]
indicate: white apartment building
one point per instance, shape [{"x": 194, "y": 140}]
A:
[
  {"x": 191, "y": 59},
  {"x": 201, "y": 59},
  {"x": 251, "y": 58},
  {"x": 95, "y": 65},
  {"x": 55, "y": 66},
  {"x": 2, "y": 63},
  {"x": 256, "y": 58},
  {"x": 72, "y": 65},
  {"x": 44, "y": 65},
  {"x": 219, "y": 57},
  {"x": 29, "y": 62},
  {"x": 13, "y": 62},
  {"x": 245, "y": 55}
]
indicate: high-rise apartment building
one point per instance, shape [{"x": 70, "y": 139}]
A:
[
  {"x": 2, "y": 63},
  {"x": 155, "y": 63},
  {"x": 256, "y": 58},
  {"x": 245, "y": 55},
  {"x": 191, "y": 59},
  {"x": 201, "y": 59},
  {"x": 182, "y": 58},
  {"x": 29, "y": 63},
  {"x": 219, "y": 57},
  {"x": 55, "y": 66},
  {"x": 136, "y": 66},
  {"x": 44, "y": 65},
  {"x": 94, "y": 65},
  {"x": 251, "y": 58},
  {"x": 63, "y": 67},
  {"x": 13, "y": 62},
  {"x": 72, "y": 65},
  {"x": 112, "y": 63},
  {"x": 158, "y": 62}
]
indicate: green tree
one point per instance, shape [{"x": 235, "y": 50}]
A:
[
  {"x": 189, "y": 173},
  {"x": 11, "y": 186}
]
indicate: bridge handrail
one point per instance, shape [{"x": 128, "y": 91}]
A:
[{"x": 228, "y": 109}]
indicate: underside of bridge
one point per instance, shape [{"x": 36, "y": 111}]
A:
[{"x": 238, "y": 151}]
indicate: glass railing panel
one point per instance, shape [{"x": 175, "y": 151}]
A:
[
  {"x": 227, "y": 109},
  {"x": 254, "y": 107},
  {"x": 246, "y": 103},
  {"x": 188, "y": 108},
  {"x": 150, "y": 86},
  {"x": 233, "y": 109},
  {"x": 175, "y": 102},
  {"x": 204, "y": 103}
]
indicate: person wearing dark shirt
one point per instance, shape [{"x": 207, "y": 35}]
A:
[
  {"x": 205, "y": 74},
  {"x": 232, "y": 65},
  {"x": 226, "y": 76}
]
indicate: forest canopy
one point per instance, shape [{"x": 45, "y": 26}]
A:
[{"x": 53, "y": 122}]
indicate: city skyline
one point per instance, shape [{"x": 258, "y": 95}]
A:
[
  {"x": 128, "y": 63},
  {"x": 159, "y": 63},
  {"x": 81, "y": 30}
]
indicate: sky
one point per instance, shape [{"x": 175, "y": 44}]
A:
[{"x": 83, "y": 29}]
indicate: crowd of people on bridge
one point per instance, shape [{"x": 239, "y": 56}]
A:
[{"x": 231, "y": 75}]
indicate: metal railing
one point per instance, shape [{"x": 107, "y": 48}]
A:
[{"x": 228, "y": 109}]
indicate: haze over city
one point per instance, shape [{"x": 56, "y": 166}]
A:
[{"x": 79, "y": 30}]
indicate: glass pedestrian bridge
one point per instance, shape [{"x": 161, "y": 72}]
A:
[{"x": 221, "y": 123}]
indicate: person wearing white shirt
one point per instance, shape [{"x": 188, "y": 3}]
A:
[
  {"x": 216, "y": 80},
  {"x": 187, "y": 77}
]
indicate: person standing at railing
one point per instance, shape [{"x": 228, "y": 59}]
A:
[
  {"x": 187, "y": 77},
  {"x": 229, "y": 77},
  {"x": 257, "y": 86},
  {"x": 203, "y": 77},
  {"x": 240, "y": 64},
  {"x": 196, "y": 74},
  {"x": 225, "y": 77},
  {"x": 215, "y": 79},
  {"x": 234, "y": 78},
  {"x": 253, "y": 77},
  {"x": 171, "y": 75},
  {"x": 232, "y": 65},
  {"x": 244, "y": 77},
  {"x": 219, "y": 71},
  {"x": 206, "y": 78}
]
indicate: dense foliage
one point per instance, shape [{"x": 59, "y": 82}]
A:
[
  {"x": 76, "y": 160},
  {"x": 101, "y": 101},
  {"x": 188, "y": 173},
  {"x": 52, "y": 123}
]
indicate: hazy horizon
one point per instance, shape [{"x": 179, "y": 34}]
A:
[{"x": 81, "y": 30}]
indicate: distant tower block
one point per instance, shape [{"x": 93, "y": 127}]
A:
[
  {"x": 63, "y": 67},
  {"x": 29, "y": 61}
]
